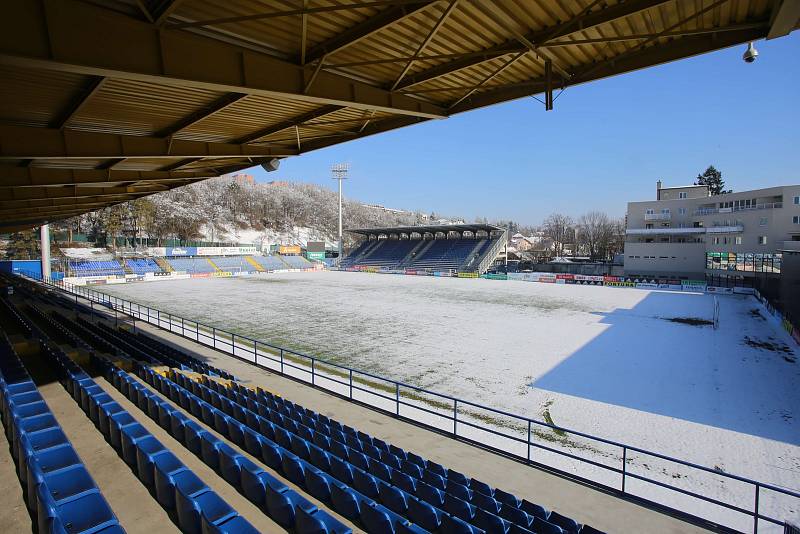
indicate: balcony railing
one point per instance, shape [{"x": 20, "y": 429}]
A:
[
  {"x": 657, "y": 216},
  {"x": 765, "y": 206}
]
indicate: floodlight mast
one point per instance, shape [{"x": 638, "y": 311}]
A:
[{"x": 339, "y": 171}]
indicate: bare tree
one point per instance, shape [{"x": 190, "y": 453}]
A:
[{"x": 558, "y": 228}]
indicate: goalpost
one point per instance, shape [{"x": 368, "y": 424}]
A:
[{"x": 716, "y": 313}]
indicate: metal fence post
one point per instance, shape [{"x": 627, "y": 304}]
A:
[
  {"x": 351, "y": 384},
  {"x": 281, "y": 360},
  {"x": 624, "y": 466},
  {"x": 529, "y": 441},
  {"x": 214, "y": 336},
  {"x": 397, "y": 398},
  {"x": 255, "y": 351},
  {"x": 312, "y": 370},
  {"x": 455, "y": 416},
  {"x": 755, "y": 510},
  {"x": 183, "y": 333},
  {"x": 233, "y": 344}
]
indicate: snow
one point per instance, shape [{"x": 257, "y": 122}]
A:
[{"x": 600, "y": 360}]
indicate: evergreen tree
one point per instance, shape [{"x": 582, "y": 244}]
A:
[
  {"x": 713, "y": 179},
  {"x": 23, "y": 245}
]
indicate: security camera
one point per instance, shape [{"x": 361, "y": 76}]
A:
[{"x": 750, "y": 54}]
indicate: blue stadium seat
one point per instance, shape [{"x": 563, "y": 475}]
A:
[
  {"x": 375, "y": 519},
  {"x": 210, "y": 446},
  {"x": 454, "y": 525},
  {"x": 566, "y": 524},
  {"x": 535, "y": 510},
  {"x": 213, "y": 510},
  {"x": 429, "y": 494},
  {"x": 515, "y": 515},
  {"x": 147, "y": 450},
  {"x": 365, "y": 483},
  {"x": 458, "y": 507},
  {"x": 540, "y": 526},
  {"x": 393, "y": 498},
  {"x": 188, "y": 487},
  {"x": 166, "y": 468},
  {"x": 317, "y": 485},
  {"x": 490, "y": 522},
  {"x": 345, "y": 501},
  {"x": 341, "y": 470},
  {"x": 231, "y": 465},
  {"x": 481, "y": 487},
  {"x": 423, "y": 514},
  {"x": 293, "y": 469},
  {"x": 404, "y": 482},
  {"x": 507, "y": 498},
  {"x": 487, "y": 503},
  {"x": 233, "y": 525}
]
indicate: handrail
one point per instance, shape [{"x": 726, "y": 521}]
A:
[{"x": 238, "y": 344}]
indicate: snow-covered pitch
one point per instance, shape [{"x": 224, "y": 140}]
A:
[{"x": 635, "y": 366}]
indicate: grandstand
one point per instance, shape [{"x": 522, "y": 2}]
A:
[
  {"x": 438, "y": 248},
  {"x": 95, "y": 268},
  {"x": 143, "y": 265},
  {"x": 189, "y": 265},
  {"x": 256, "y": 444}
]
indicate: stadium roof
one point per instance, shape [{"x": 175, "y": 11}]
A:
[
  {"x": 103, "y": 102},
  {"x": 431, "y": 229}
]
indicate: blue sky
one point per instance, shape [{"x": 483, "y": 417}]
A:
[{"x": 605, "y": 143}]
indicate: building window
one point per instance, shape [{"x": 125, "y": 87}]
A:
[
  {"x": 665, "y": 211},
  {"x": 649, "y": 211},
  {"x": 682, "y": 194},
  {"x": 796, "y": 219},
  {"x": 797, "y": 200},
  {"x": 762, "y": 240},
  {"x": 715, "y": 241},
  {"x": 738, "y": 240},
  {"x": 681, "y": 211},
  {"x": 762, "y": 221}
]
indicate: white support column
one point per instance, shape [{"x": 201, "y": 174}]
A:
[{"x": 45, "y": 246}]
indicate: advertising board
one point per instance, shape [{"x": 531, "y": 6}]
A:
[{"x": 181, "y": 251}]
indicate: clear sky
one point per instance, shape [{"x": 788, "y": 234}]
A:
[{"x": 605, "y": 143}]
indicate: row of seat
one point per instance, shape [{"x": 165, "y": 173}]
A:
[
  {"x": 96, "y": 268},
  {"x": 362, "y": 474},
  {"x": 196, "y": 507},
  {"x": 287, "y": 507},
  {"x": 177, "y": 488},
  {"x": 363, "y": 510},
  {"x": 58, "y": 487},
  {"x": 142, "y": 266},
  {"x": 156, "y": 346},
  {"x": 426, "y": 479}
]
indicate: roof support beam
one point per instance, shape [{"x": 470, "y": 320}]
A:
[
  {"x": 212, "y": 109},
  {"x": 22, "y": 142},
  {"x": 786, "y": 17},
  {"x": 75, "y": 192},
  {"x": 639, "y": 59},
  {"x": 538, "y": 38},
  {"x": 291, "y": 123},
  {"x": 431, "y": 34},
  {"x": 68, "y": 43},
  {"x": 361, "y": 31},
  {"x": 22, "y": 177},
  {"x": 91, "y": 89},
  {"x": 164, "y": 10}
]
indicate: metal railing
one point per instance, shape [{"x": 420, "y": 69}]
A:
[
  {"x": 613, "y": 466},
  {"x": 657, "y": 216},
  {"x": 764, "y": 206}
]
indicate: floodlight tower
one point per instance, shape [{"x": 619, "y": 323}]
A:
[{"x": 339, "y": 171}]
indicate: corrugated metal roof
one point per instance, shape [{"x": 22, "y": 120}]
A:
[{"x": 248, "y": 77}]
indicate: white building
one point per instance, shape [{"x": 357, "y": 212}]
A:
[{"x": 687, "y": 233}]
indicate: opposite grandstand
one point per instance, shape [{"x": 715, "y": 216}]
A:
[{"x": 447, "y": 249}]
